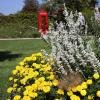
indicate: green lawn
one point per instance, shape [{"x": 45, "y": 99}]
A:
[{"x": 11, "y": 53}]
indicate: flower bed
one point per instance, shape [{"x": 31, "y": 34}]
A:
[{"x": 34, "y": 78}]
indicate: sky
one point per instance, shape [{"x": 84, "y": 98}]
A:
[{"x": 11, "y": 6}]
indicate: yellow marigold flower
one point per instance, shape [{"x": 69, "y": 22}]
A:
[
  {"x": 18, "y": 67},
  {"x": 69, "y": 93},
  {"x": 96, "y": 76},
  {"x": 89, "y": 82},
  {"x": 37, "y": 66},
  {"x": 14, "y": 72},
  {"x": 34, "y": 86},
  {"x": 26, "y": 92},
  {"x": 26, "y": 98},
  {"x": 83, "y": 92},
  {"x": 34, "y": 58},
  {"x": 42, "y": 61},
  {"x": 60, "y": 91},
  {"x": 47, "y": 68},
  {"x": 90, "y": 97},
  {"x": 51, "y": 77},
  {"x": 40, "y": 86},
  {"x": 49, "y": 83},
  {"x": 55, "y": 82},
  {"x": 28, "y": 87},
  {"x": 74, "y": 89},
  {"x": 14, "y": 85},
  {"x": 17, "y": 97},
  {"x": 98, "y": 93},
  {"x": 9, "y": 90},
  {"x": 79, "y": 88},
  {"x": 33, "y": 94},
  {"x": 10, "y": 78},
  {"x": 74, "y": 97},
  {"x": 41, "y": 79},
  {"x": 84, "y": 85},
  {"x": 39, "y": 54},
  {"x": 78, "y": 98},
  {"x": 23, "y": 81},
  {"x": 46, "y": 89},
  {"x": 36, "y": 73},
  {"x": 18, "y": 89},
  {"x": 15, "y": 80},
  {"x": 21, "y": 63},
  {"x": 14, "y": 88}
]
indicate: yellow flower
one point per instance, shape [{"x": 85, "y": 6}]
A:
[
  {"x": 23, "y": 81},
  {"x": 47, "y": 68},
  {"x": 55, "y": 82},
  {"x": 69, "y": 93},
  {"x": 41, "y": 79},
  {"x": 40, "y": 86},
  {"x": 36, "y": 73},
  {"x": 42, "y": 61},
  {"x": 84, "y": 85},
  {"x": 34, "y": 58},
  {"x": 90, "y": 97},
  {"x": 34, "y": 86},
  {"x": 46, "y": 89},
  {"x": 10, "y": 78},
  {"x": 33, "y": 94},
  {"x": 21, "y": 63},
  {"x": 89, "y": 82},
  {"x": 17, "y": 97},
  {"x": 9, "y": 90},
  {"x": 28, "y": 87},
  {"x": 18, "y": 89},
  {"x": 74, "y": 89},
  {"x": 38, "y": 66},
  {"x": 25, "y": 92},
  {"x": 39, "y": 54},
  {"x": 14, "y": 85},
  {"x": 74, "y": 97},
  {"x": 26, "y": 98},
  {"x": 15, "y": 80},
  {"x": 96, "y": 76},
  {"x": 78, "y": 98},
  {"x": 60, "y": 91},
  {"x": 79, "y": 88},
  {"x": 83, "y": 92},
  {"x": 51, "y": 77},
  {"x": 98, "y": 93},
  {"x": 14, "y": 72},
  {"x": 18, "y": 67},
  {"x": 49, "y": 83}
]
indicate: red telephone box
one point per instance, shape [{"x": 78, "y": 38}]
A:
[{"x": 43, "y": 22}]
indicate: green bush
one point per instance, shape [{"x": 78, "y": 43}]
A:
[{"x": 19, "y": 25}]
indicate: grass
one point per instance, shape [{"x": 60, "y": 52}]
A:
[{"x": 11, "y": 53}]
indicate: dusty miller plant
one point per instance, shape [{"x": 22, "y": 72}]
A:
[{"x": 70, "y": 52}]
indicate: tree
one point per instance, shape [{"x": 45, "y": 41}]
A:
[
  {"x": 74, "y": 4},
  {"x": 30, "y": 6}
]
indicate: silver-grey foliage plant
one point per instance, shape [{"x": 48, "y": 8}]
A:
[{"x": 70, "y": 52}]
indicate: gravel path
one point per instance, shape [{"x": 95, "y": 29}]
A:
[{"x": 19, "y": 38}]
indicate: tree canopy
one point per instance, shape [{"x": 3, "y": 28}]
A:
[{"x": 30, "y": 6}]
